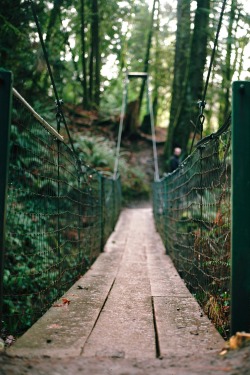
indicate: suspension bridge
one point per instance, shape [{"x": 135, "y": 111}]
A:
[{"x": 63, "y": 292}]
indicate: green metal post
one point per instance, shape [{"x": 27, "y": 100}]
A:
[
  {"x": 240, "y": 252},
  {"x": 114, "y": 204},
  {"x": 102, "y": 213},
  {"x": 5, "y": 118},
  {"x": 165, "y": 216}
]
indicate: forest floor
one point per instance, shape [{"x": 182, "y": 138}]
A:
[{"x": 232, "y": 362}]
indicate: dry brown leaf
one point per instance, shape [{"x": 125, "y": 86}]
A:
[
  {"x": 239, "y": 340},
  {"x": 66, "y": 301}
]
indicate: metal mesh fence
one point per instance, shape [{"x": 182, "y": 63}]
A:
[
  {"x": 59, "y": 215},
  {"x": 192, "y": 214}
]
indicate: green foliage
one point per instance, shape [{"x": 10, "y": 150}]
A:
[{"x": 99, "y": 152}]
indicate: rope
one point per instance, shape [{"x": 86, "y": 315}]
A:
[
  {"x": 202, "y": 103},
  {"x": 59, "y": 115},
  {"x": 153, "y": 132},
  {"x": 123, "y": 109}
]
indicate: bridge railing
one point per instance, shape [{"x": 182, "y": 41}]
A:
[
  {"x": 192, "y": 213},
  {"x": 59, "y": 213}
]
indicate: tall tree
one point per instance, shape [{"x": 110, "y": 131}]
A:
[
  {"x": 227, "y": 71},
  {"x": 193, "y": 85},
  {"x": 83, "y": 52},
  {"x": 181, "y": 62},
  {"x": 147, "y": 55},
  {"x": 94, "y": 57}
]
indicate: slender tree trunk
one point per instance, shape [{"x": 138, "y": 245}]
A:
[
  {"x": 181, "y": 63},
  {"x": 83, "y": 51},
  {"x": 91, "y": 72},
  {"x": 53, "y": 16},
  {"x": 194, "y": 85},
  {"x": 51, "y": 26},
  {"x": 94, "y": 61},
  {"x": 227, "y": 73},
  {"x": 157, "y": 61},
  {"x": 96, "y": 52},
  {"x": 147, "y": 56}
]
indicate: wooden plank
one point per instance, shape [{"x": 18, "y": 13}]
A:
[
  {"x": 125, "y": 327},
  {"x": 64, "y": 330},
  {"x": 183, "y": 328}
]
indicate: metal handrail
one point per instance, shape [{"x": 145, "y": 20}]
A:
[{"x": 44, "y": 123}]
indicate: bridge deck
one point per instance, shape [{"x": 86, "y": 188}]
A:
[{"x": 130, "y": 304}]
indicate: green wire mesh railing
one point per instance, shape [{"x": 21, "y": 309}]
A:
[
  {"x": 59, "y": 215},
  {"x": 192, "y": 215}
]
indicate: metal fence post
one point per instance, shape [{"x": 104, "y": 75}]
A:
[
  {"x": 240, "y": 248},
  {"x": 5, "y": 118},
  {"x": 102, "y": 213},
  {"x": 113, "y": 203}
]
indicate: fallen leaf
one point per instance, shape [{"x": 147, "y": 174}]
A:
[
  {"x": 9, "y": 340},
  {"x": 66, "y": 301},
  {"x": 239, "y": 340},
  {"x": 223, "y": 352},
  {"x": 196, "y": 333}
]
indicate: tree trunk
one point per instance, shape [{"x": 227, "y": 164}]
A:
[
  {"x": 94, "y": 60},
  {"x": 83, "y": 51},
  {"x": 227, "y": 72},
  {"x": 96, "y": 52},
  {"x": 146, "y": 61},
  {"x": 53, "y": 16},
  {"x": 157, "y": 78},
  {"x": 182, "y": 51},
  {"x": 194, "y": 87}
]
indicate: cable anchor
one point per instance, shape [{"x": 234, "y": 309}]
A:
[
  {"x": 59, "y": 116},
  {"x": 202, "y": 105}
]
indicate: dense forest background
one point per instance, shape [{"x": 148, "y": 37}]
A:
[{"x": 92, "y": 43}]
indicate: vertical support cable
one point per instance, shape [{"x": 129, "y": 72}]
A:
[
  {"x": 240, "y": 244},
  {"x": 201, "y": 207},
  {"x": 152, "y": 121},
  {"x": 58, "y": 120},
  {"x": 5, "y": 119},
  {"x": 58, "y": 219},
  {"x": 123, "y": 109}
]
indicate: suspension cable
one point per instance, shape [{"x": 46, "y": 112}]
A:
[
  {"x": 202, "y": 103},
  {"x": 59, "y": 115},
  {"x": 152, "y": 121},
  {"x": 123, "y": 109},
  {"x": 214, "y": 50}
]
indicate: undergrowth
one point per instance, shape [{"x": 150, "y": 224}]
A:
[{"x": 99, "y": 153}]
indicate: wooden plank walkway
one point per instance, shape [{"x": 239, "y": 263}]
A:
[{"x": 130, "y": 304}]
